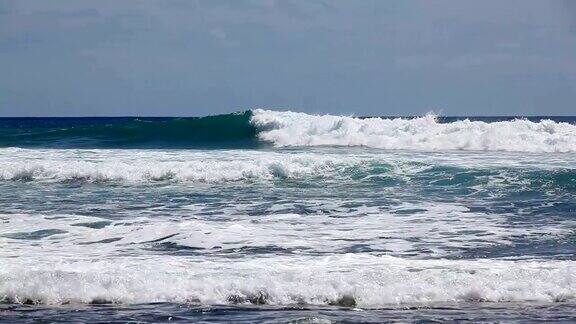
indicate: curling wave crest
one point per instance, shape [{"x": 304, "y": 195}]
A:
[{"x": 424, "y": 133}]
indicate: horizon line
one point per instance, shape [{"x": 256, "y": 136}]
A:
[{"x": 352, "y": 116}]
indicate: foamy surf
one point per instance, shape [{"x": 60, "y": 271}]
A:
[
  {"x": 351, "y": 280},
  {"x": 217, "y": 167},
  {"x": 422, "y": 230},
  {"x": 424, "y": 133},
  {"x": 322, "y": 212}
]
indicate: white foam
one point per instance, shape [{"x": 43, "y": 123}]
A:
[
  {"x": 424, "y": 133},
  {"x": 137, "y": 166},
  {"x": 371, "y": 280},
  {"x": 428, "y": 230},
  {"x": 154, "y": 166}
]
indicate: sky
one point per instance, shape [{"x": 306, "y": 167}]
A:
[{"x": 366, "y": 57}]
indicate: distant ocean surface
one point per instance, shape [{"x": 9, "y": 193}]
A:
[{"x": 269, "y": 216}]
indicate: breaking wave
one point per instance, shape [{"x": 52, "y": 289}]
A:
[
  {"x": 255, "y": 128},
  {"x": 423, "y": 133},
  {"x": 350, "y": 280},
  {"x": 152, "y": 166},
  {"x": 142, "y": 166}
]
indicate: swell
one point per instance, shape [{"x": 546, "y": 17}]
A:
[
  {"x": 218, "y": 131},
  {"x": 256, "y": 128}
]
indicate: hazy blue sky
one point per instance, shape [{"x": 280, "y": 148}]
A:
[{"x": 114, "y": 57}]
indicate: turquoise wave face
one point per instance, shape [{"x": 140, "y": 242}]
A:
[{"x": 223, "y": 131}]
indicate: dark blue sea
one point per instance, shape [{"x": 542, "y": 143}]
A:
[{"x": 271, "y": 216}]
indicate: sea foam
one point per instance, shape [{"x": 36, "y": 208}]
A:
[
  {"x": 97, "y": 166},
  {"x": 353, "y": 280},
  {"x": 218, "y": 166},
  {"x": 424, "y": 133}
]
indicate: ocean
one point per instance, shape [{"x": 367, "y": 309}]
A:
[{"x": 276, "y": 216}]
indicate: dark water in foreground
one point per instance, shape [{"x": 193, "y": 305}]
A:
[
  {"x": 272, "y": 217},
  {"x": 167, "y": 313}
]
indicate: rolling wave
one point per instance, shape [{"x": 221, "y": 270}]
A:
[
  {"x": 257, "y": 128},
  {"x": 380, "y": 281},
  {"x": 218, "y": 131},
  {"x": 423, "y": 133},
  {"x": 153, "y": 166}
]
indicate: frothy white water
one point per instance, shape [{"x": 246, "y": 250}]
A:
[
  {"x": 146, "y": 166},
  {"x": 371, "y": 281},
  {"x": 437, "y": 230},
  {"x": 58, "y": 258},
  {"x": 424, "y": 133},
  {"x": 137, "y": 166}
]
